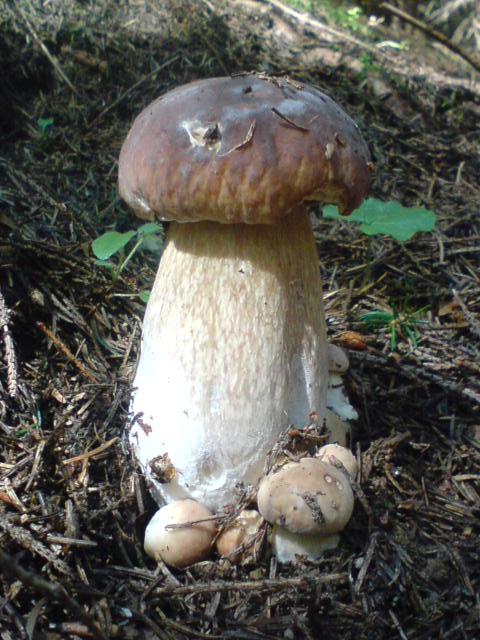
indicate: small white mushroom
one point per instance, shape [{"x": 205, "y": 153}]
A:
[
  {"x": 180, "y": 546},
  {"x": 306, "y": 497},
  {"x": 338, "y": 456},
  {"x": 337, "y": 400},
  {"x": 337, "y": 359},
  {"x": 240, "y": 532},
  {"x": 307, "y": 501},
  {"x": 339, "y": 409}
]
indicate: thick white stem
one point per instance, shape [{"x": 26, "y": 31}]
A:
[{"x": 233, "y": 351}]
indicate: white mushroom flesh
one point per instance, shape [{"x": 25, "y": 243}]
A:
[{"x": 288, "y": 546}]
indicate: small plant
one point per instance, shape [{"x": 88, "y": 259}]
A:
[
  {"x": 387, "y": 218},
  {"x": 44, "y": 124},
  {"x": 351, "y": 19},
  {"x": 114, "y": 243},
  {"x": 369, "y": 66},
  {"x": 400, "y": 323},
  {"x": 401, "y": 223}
]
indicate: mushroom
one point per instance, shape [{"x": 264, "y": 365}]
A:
[
  {"x": 337, "y": 400},
  {"x": 339, "y": 410},
  {"x": 337, "y": 359},
  {"x": 308, "y": 496},
  {"x": 339, "y": 457},
  {"x": 307, "y": 501},
  {"x": 233, "y": 345},
  {"x": 242, "y": 532},
  {"x": 180, "y": 546}
]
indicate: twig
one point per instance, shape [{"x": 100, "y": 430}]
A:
[
  {"x": 10, "y": 359},
  {"x": 53, "y": 592},
  {"x": 166, "y": 622},
  {"x": 76, "y": 629},
  {"x": 398, "y": 626},
  {"x": 433, "y": 33},
  {"x": 472, "y": 321},
  {"x": 66, "y": 351},
  {"x": 246, "y": 141},
  {"x": 35, "y": 465},
  {"x": 51, "y": 58},
  {"x": 71, "y": 542},
  {"x": 268, "y": 584},
  {"x": 192, "y": 523},
  {"x": 307, "y": 21},
  {"x": 93, "y": 452},
  {"x": 366, "y": 564},
  {"x": 86, "y": 59},
  {"x": 288, "y": 121},
  {"x": 24, "y": 538},
  {"x": 25, "y": 184}
]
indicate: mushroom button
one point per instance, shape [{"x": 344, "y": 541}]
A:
[
  {"x": 234, "y": 346},
  {"x": 337, "y": 400},
  {"x": 307, "y": 497},
  {"x": 238, "y": 535},
  {"x": 180, "y": 546}
]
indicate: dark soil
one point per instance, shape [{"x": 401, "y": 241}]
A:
[{"x": 73, "y": 506}]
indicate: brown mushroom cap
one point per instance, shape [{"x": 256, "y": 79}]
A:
[
  {"x": 182, "y": 546},
  {"x": 306, "y": 497},
  {"x": 244, "y": 149}
]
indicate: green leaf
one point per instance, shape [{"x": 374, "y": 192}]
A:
[
  {"x": 388, "y": 218},
  {"x": 149, "y": 229},
  {"x": 330, "y": 212},
  {"x": 109, "y": 243},
  {"x": 144, "y": 295}
]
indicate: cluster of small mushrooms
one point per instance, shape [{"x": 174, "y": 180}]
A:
[
  {"x": 308, "y": 502},
  {"x": 234, "y": 348}
]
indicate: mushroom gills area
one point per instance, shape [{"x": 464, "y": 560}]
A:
[{"x": 233, "y": 351}]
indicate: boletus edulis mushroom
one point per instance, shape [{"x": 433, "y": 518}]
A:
[
  {"x": 308, "y": 502},
  {"x": 234, "y": 346}
]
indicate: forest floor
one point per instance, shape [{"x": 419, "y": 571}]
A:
[{"x": 73, "y": 505}]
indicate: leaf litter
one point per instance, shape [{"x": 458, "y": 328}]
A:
[{"x": 73, "y": 506}]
